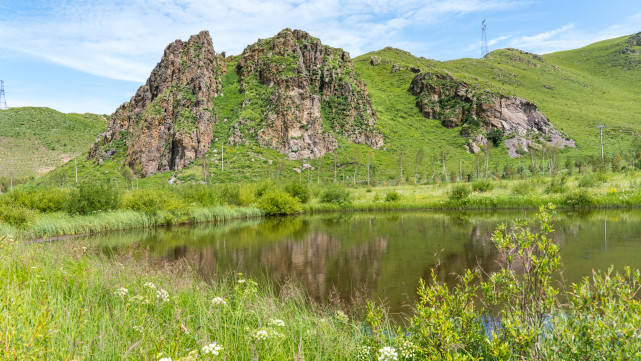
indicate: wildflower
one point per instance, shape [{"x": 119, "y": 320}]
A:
[
  {"x": 407, "y": 350},
  {"x": 162, "y": 295},
  {"x": 261, "y": 335},
  {"x": 341, "y": 316},
  {"x": 212, "y": 349},
  {"x": 165, "y": 359},
  {"x": 122, "y": 292},
  {"x": 363, "y": 352},
  {"x": 218, "y": 301},
  {"x": 150, "y": 285},
  {"x": 277, "y": 323},
  {"x": 387, "y": 354},
  {"x": 139, "y": 329},
  {"x": 241, "y": 281}
]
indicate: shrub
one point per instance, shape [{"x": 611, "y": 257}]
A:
[
  {"x": 90, "y": 197},
  {"x": 151, "y": 201},
  {"x": 495, "y": 135},
  {"x": 459, "y": 193},
  {"x": 336, "y": 195},
  {"x": 592, "y": 180},
  {"x": 277, "y": 202},
  {"x": 392, "y": 196},
  {"x": 16, "y": 215},
  {"x": 43, "y": 200},
  {"x": 482, "y": 185},
  {"x": 523, "y": 188},
  {"x": 298, "y": 190},
  {"x": 557, "y": 185},
  {"x": 579, "y": 199}
]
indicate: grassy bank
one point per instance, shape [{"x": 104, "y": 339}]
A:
[
  {"x": 66, "y": 300},
  {"x": 39, "y": 212}
]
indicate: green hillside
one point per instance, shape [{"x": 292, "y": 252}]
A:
[
  {"x": 34, "y": 141},
  {"x": 576, "y": 90}
]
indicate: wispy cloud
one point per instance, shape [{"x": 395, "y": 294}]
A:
[{"x": 123, "y": 39}]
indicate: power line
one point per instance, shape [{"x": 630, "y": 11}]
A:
[
  {"x": 3, "y": 98},
  {"x": 484, "y": 47}
]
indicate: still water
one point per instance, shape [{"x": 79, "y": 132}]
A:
[{"x": 351, "y": 257}]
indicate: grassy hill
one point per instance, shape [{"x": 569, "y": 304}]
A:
[
  {"x": 33, "y": 141},
  {"x": 577, "y": 90}
]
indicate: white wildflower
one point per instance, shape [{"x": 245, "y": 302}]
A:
[
  {"x": 363, "y": 353},
  {"x": 276, "y": 323},
  {"x": 387, "y": 354},
  {"x": 162, "y": 295},
  {"x": 407, "y": 350},
  {"x": 139, "y": 329},
  {"x": 165, "y": 359},
  {"x": 212, "y": 349},
  {"x": 150, "y": 285},
  {"x": 241, "y": 281},
  {"x": 218, "y": 301},
  {"x": 122, "y": 292},
  {"x": 261, "y": 335}
]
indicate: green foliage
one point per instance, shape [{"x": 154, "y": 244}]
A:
[
  {"x": 558, "y": 185},
  {"x": 459, "y": 193},
  {"x": 495, "y": 135},
  {"x": 90, "y": 197},
  {"x": 276, "y": 202},
  {"x": 336, "y": 195},
  {"x": 579, "y": 199},
  {"x": 16, "y": 215},
  {"x": 523, "y": 188},
  {"x": 482, "y": 186},
  {"x": 298, "y": 190},
  {"x": 151, "y": 201},
  {"x": 592, "y": 180},
  {"x": 43, "y": 200},
  {"x": 392, "y": 196}
]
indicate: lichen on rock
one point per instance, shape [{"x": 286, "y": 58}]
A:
[
  {"x": 299, "y": 95},
  {"x": 168, "y": 123}
]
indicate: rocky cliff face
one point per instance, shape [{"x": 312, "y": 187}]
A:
[
  {"x": 456, "y": 103},
  {"x": 168, "y": 123},
  {"x": 298, "y": 94}
]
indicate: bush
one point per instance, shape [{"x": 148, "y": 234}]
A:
[
  {"x": 43, "y": 200},
  {"x": 392, "y": 197},
  {"x": 482, "y": 185},
  {"x": 16, "y": 215},
  {"x": 459, "y": 193},
  {"x": 336, "y": 195},
  {"x": 523, "y": 188},
  {"x": 151, "y": 201},
  {"x": 592, "y": 180},
  {"x": 495, "y": 135},
  {"x": 558, "y": 185},
  {"x": 90, "y": 197},
  {"x": 276, "y": 202},
  {"x": 298, "y": 190},
  {"x": 579, "y": 199}
]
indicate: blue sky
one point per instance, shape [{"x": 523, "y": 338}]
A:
[{"x": 90, "y": 56}]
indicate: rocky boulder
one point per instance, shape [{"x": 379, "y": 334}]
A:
[
  {"x": 299, "y": 95},
  {"x": 457, "y": 103},
  {"x": 168, "y": 123}
]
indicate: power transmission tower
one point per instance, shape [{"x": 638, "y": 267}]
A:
[
  {"x": 484, "y": 48},
  {"x": 3, "y": 99}
]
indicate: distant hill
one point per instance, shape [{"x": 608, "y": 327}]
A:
[
  {"x": 259, "y": 122},
  {"x": 34, "y": 141}
]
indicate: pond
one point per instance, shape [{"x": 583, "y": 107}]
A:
[{"x": 349, "y": 257}]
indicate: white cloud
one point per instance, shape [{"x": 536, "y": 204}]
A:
[{"x": 124, "y": 39}]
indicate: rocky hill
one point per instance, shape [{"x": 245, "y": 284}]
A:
[
  {"x": 168, "y": 123},
  {"x": 457, "y": 103},
  {"x": 300, "y": 95}
]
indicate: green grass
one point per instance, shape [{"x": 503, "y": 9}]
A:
[
  {"x": 34, "y": 141},
  {"x": 60, "y": 303}
]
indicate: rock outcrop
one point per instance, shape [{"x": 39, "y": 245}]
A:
[
  {"x": 299, "y": 94},
  {"x": 457, "y": 103},
  {"x": 168, "y": 123}
]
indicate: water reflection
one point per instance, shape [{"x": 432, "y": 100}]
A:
[{"x": 352, "y": 256}]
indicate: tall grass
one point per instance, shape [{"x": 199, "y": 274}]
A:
[{"x": 61, "y": 302}]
